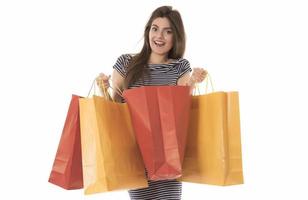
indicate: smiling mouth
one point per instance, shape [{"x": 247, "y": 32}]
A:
[{"x": 159, "y": 44}]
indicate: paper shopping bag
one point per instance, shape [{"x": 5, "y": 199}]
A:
[
  {"x": 110, "y": 154},
  {"x": 160, "y": 116},
  {"x": 213, "y": 152},
  {"x": 67, "y": 167}
]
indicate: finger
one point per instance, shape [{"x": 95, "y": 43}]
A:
[
  {"x": 106, "y": 78},
  {"x": 103, "y": 76},
  {"x": 106, "y": 81},
  {"x": 98, "y": 81}
]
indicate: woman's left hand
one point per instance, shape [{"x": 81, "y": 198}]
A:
[{"x": 198, "y": 75}]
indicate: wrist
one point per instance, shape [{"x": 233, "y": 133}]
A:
[{"x": 191, "y": 81}]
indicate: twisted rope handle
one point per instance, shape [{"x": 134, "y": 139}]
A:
[{"x": 207, "y": 80}]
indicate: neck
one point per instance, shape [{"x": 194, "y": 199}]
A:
[{"x": 157, "y": 59}]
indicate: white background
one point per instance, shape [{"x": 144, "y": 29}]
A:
[{"x": 52, "y": 49}]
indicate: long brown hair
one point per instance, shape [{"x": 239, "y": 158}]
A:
[{"x": 136, "y": 67}]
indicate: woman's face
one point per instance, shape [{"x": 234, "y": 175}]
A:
[{"x": 161, "y": 36}]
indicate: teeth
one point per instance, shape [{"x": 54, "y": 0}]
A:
[{"x": 159, "y": 43}]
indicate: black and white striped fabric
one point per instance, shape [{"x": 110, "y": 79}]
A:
[{"x": 159, "y": 74}]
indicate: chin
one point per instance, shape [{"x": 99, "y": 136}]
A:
[{"x": 159, "y": 52}]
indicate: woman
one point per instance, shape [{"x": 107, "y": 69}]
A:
[{"x": 160, "y": 62}]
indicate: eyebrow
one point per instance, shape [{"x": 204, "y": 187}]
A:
[{"x": 163, "y": 28}]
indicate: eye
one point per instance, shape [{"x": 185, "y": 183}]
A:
[
  {"x": 169, "y": 32},
  {"x": 154, "y": 28}
]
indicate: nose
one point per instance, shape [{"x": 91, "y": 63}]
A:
[{"x": 160, "y": 34}]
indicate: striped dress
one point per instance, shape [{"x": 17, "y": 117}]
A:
[{"x": 159, "y": 74}]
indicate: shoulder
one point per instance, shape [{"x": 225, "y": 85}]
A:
[
  {"x": 183, "y": 66},
  {"x": 122, "y": 62},
  {"x": 183, "y": 63},
  {"x": 124, "y": 58},
  {"x": 179, "y": 62}
]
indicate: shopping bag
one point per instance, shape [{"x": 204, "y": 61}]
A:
[
  {"x": 213, "y": 151},
  {"x": 160, "y": 116},
  {"x": 67, "y": 167},
  {"x": 110, "y": 154}
]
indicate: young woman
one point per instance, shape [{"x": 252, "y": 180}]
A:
[{"x": 160, "y": 62}]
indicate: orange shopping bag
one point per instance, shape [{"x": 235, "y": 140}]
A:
[
  {"x": 213, "y": 151},
  {"x": 160, "y": 116},
  {"x": 67, "y": 167},
  {"x": 110, "y": 154}
]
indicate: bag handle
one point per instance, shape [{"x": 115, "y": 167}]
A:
[
  {"x": 104, "y": 91},
  {"x": 206, "y": 80},
  {"x": 92, "y": 87},
  {"x": 117, "y": 90},
  {"x": 106, "y": 94}
]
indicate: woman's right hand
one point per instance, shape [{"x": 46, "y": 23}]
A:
[{"x": 103, "y": 81}]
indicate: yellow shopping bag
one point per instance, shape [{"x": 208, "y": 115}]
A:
[
  {"x": 110, "y": 155},
  {"x": 213, "y": 151}
]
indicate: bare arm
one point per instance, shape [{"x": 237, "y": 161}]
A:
[
  {"x": 186, "y": 81},
  {"x": 117, "y": 82},
  {"x": 197, "y": 76}
]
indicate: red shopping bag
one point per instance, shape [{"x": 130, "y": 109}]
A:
[
  {"x": 67, "y": 167},
  {"x": 160, "y": 116}
]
